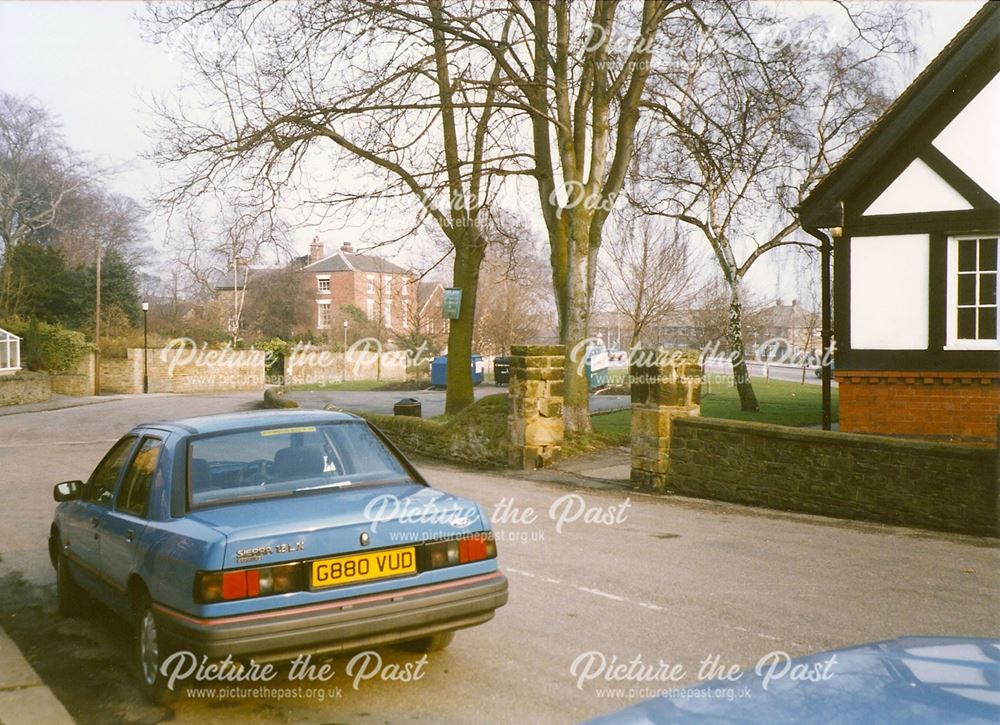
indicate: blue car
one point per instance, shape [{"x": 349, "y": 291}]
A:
[
  {"x": 908, "y": 680},
  {"x": 270, "y": 535}
]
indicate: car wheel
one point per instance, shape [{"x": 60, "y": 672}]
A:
[
  {"x": 150, "y": 651},
  {"x": 434, "y": 643},
  {"x": 69, "y": 594}
]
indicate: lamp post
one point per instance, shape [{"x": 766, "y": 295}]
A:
[
  {"x": 145, "y": 347},
  {"x": 343, "y": 370}
]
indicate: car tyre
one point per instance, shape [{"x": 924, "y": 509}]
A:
[
  {"x": 433, "y": 643},
  {"x": 69, "y": 595},
  {"x": 150, "y": 650}
]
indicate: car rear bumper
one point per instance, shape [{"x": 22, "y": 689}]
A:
[{"x": 338, "y": 626}]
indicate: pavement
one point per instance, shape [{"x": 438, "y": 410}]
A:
[
  {"x": 432, "y": 399},
  {"x": 24, "y": 698},
  {"x": 593, "y": 568},
  {"x": 57, "y": 402}
]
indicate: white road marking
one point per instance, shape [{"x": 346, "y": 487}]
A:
[{"x": 618, "y": 598}]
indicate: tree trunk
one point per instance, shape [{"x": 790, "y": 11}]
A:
[
  {"x": 576, "y": 324},
  {"x": 741, "y": 375},
  {"x": 466, "y": 278}
]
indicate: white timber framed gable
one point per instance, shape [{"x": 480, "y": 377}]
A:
[{"x": 919, "y": 187}]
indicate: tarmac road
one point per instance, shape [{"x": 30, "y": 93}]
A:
[
  {"x": 665, "y": 580},
  {"x": 432, "y": 400}
]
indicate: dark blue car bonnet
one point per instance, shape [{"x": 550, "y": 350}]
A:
[{"x": 907, "y": 680}]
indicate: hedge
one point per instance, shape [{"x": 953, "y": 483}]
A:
[{"x": 47, "y": 346}]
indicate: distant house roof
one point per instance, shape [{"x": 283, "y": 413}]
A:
[
  {"x": 224, "y": 280},
  {"x": 782, "y": 315},
  {"x": 971, "y": 53},
  {"x": 341, "y": 261}
]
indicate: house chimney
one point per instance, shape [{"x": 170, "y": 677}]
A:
[
  {"x": 795, "y": 303},
  {"x": 779, "y": 302},
  {"x": 347, "y": 248},
  {"x": 316, "y": 250}
]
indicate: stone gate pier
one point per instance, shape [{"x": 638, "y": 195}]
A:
[
  {"x": 665, "y": 385},
  {"x": 536, "y": 405}
]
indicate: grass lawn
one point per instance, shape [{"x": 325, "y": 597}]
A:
[{"x": 781, "y": 403}]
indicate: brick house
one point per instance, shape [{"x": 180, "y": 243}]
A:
[
  {"x": 785, "y": 331},
  {"x": 383, "y": 291},
  {"x": 914, "y": 217}
]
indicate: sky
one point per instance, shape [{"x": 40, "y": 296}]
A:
[{"x": 88, "y": 64}]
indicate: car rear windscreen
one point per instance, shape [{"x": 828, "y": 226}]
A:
[{"x": 288, "y": 460}]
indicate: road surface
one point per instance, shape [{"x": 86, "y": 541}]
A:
[{"x": 664, "y": 581}]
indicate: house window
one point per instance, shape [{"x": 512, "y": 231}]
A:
[
  {"x": 972, "y": 292},
  {"x": 371, "y": 285},
  {"x": 324, "y": 284},
  {"x": 323, "y": 315},
  {"x": 370, "y": 311}
]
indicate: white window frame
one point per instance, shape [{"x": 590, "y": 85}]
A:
[
  {"x": 370, "y": 289},
  {"x": 321, "y": 306},
  {"x": 370, "y": 309},
  {"x": 952, "y": 340},
  {"x": 320, "y": 280},
  {"x": 10, "y": 353}
]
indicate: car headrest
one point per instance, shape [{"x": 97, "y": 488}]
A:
[{"x": 299, "y": 461}]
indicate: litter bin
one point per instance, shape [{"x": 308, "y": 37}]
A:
[
  {"x": 407, "y": 406},
  {"x": 439, "y": 370},
  {"x": 501, "y": 370}
]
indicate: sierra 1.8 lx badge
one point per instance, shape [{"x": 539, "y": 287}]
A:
[{"x": 258, "y": 552}]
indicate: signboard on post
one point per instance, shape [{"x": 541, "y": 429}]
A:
[{"x": 451, "y": 306}]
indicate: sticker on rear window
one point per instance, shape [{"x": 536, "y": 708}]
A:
[{"x": 282, "y": 431}]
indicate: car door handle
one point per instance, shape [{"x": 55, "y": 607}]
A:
[{"x": 129, "y": 536}]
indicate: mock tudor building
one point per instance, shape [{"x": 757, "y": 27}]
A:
[{"x": 914, "y": 215}]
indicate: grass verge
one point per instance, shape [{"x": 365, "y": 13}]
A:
[{"x": 781, "y": 403}]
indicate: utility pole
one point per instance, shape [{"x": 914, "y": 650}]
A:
[{"x": 97, "y": 327}]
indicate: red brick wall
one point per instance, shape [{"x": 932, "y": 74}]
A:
[{"x": 958, "y": 407}]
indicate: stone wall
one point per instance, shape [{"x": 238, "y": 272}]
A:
[
  {"x": 207, "y": 371},
  {"x": 536, "y": 403},
  {"x": 951, "y": 407},
  {"x": 323, "y": 367},
  {"x": 908, "y": 483},
  {"x": 78, "y": 381},
  {"x": 24, "y": 387},
  {"x": 664, "y": 386}
]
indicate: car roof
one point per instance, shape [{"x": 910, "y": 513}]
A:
[{"x": 224, "y": 422}]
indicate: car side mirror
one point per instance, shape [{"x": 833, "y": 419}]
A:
[{"x": 67, "y": 490}]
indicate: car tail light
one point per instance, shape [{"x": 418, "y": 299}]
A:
[
  {"x": 462, "y": 550},
  {"x": 219, "y": 586}
]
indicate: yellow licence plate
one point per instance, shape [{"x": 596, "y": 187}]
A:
[{"x": 363, "y": 567}]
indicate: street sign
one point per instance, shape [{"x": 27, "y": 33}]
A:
[{"x": 451, "y": 306}]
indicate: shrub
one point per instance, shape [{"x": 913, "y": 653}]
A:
[{"x": 49, "y": 346}]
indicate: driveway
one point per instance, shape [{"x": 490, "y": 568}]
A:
[{"x": 662, "y": 581}]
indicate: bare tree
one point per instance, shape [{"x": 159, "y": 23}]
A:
[
  {"x": 648, "y": 273},
  {"x": 577, "y": 71},
  {"x": 224, "y": 253},
  {"x": 516, "y": 297},
  {"x": 379, "y": 87},
  {"x": 37, "y": 174},
  {"x": 743, "y": 128}
]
